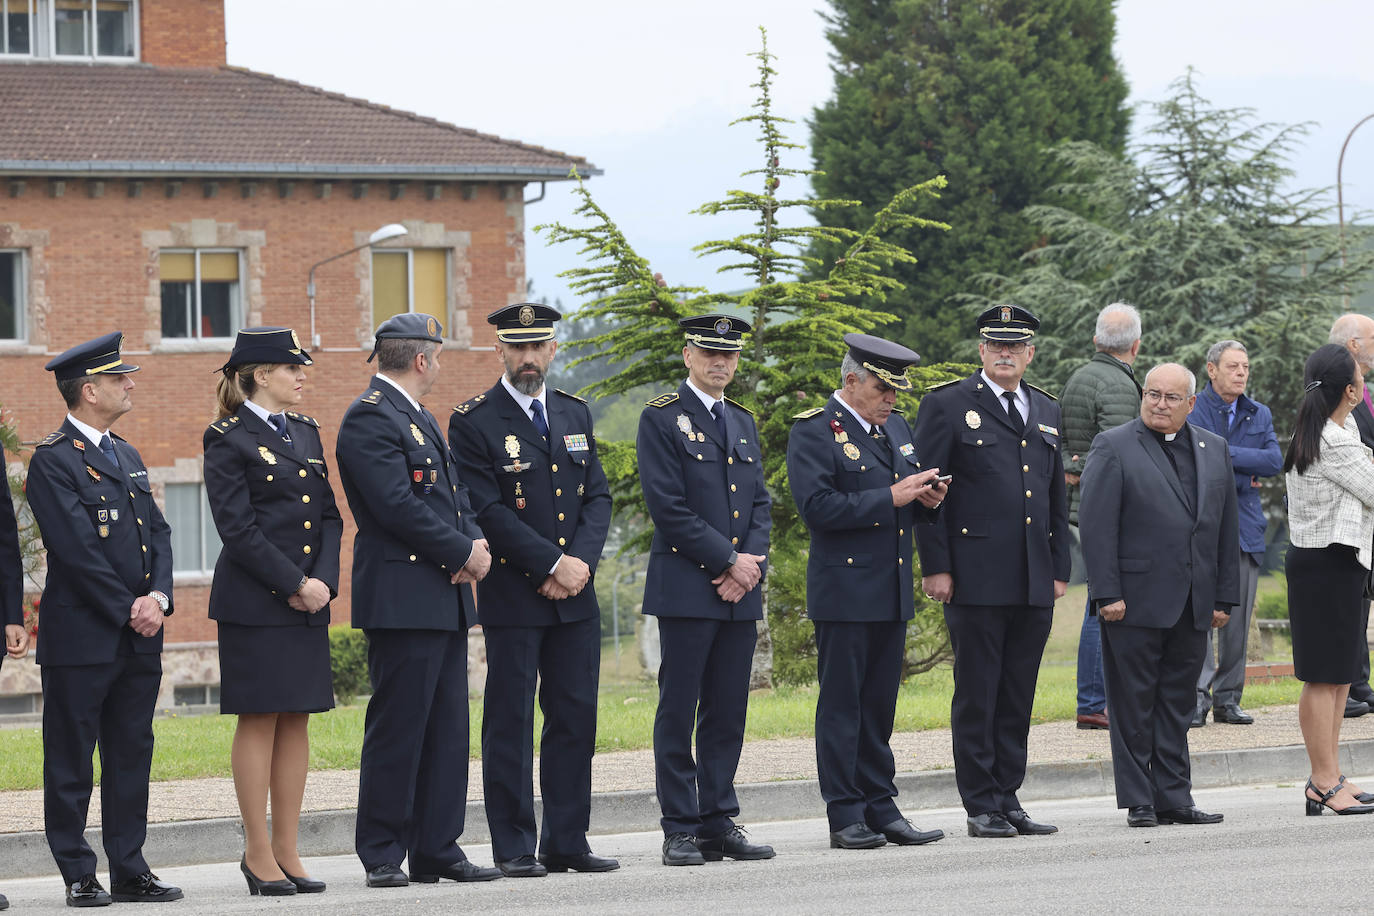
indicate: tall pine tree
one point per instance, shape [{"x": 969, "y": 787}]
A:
[{"x": 975, "y": 90}]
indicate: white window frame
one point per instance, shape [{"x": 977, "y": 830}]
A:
[
  {"x": 207, "y": 567},
  {"x": 34, "y": 30},
  {"x": 48, "y": 12},
  {"x": 195, "y": 303},
  {"x": 21, "y": 317}
]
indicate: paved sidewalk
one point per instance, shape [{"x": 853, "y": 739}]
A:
[{"x": 761, "y": 762}]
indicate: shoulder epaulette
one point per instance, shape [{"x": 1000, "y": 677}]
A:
[
  {"x": 567, "y": 395},
  {"x": 663, "y": 400},
  {"x": 470, "y": 404},
  {"x": 953, "y": 381},
  {"x": 896, "y": 409},
  {"x": 50, "y": 438},
  {"x": 1041, "y": 390},
  {"x": 223, "y": 426},
  {"x": 808, "y": 414},
  {"x": 304, "y": 419},
  {"x": 740, "y": 406},
  {"x": 372, "y": 397}
]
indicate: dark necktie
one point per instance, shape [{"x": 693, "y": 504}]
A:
[
  {"x": 279, "y": 422},
  {"x": 540, "y": 423},
  {"x": 1014, "y": 412},
  {"x": 718, "y": 412},
  {"x": 878, "y": 434},
  {"x": 107, "y": 449}
]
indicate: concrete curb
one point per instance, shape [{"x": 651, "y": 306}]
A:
[{"x": 329, "y": 833}]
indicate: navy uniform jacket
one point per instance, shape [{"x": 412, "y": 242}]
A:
[
  {"x": 1004, "y": 534},
  {"x": 11, "y": 564},
  {"x": 276, "y": 515},
  {"x": 706, "y": 498},
  {"x": 107, "y": 545},
  {"x": 859, "y": 567},
  {"x": 415, "y": 526},
  {"x": 535, "y": 501}
]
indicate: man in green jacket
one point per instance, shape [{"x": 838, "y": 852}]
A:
[{"x": 1101, "y": 394}]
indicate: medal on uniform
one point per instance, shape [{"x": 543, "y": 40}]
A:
[
  {"x": 576, "y": 442},
  {"x": 840, "y": 435},
  {"x": 433, "y": 476},
  {"x": 701, "y": 436},
  {"x": 103, "y": 531},
  {"x": 114, "y": 515},
  {"x": 267, "y": 455},
  {"x": 972, "y": 420},
  {"x": 906, "y": 449},
  {"x": 102, "y": 515},
  {"x": 95, "y": 475},
  {"x": 418, "y": 476},
  {"x": 685, "y": 425},
  {"x": 513, "y": 447},
  {"x": 851, "y": 451},
  {"x": 419, "y": 436},
  {"x": 519, "y": 496}
]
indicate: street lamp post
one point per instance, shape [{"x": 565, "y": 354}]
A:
[{"x": 389, "y": 231}]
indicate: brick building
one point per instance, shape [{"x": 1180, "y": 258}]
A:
[{"x": 147, "y": 186}]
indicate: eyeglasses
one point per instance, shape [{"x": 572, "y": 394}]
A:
[
  {"x": 1173, "y": 400},
  {"x": 1014, "y": 347}
]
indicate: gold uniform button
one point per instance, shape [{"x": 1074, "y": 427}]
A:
[
  {"x": 1028, "y": 520},
  {"x": 699, "y": 458},
  {"x": 558, "y": 492},
  {"x": 673, "y": 549},
  {"x": 899, "y": 561},
  {"x": 877, "y": 524},
  {"x": 554, "y": 468},
  {"x": 963, "y": 531},
  {"x": 901, "y": 531},
  {"x": 561, "y": 542},
  {"x": 412, "y": 558},
  {"x": 1023, "y": 443},
  {"x": 503, "y": 561},
  {"x": 102, "y": 499},
  {"x": 560, "y": 516},
  {"x": 427, "y": 461},
  {"x": 305, "y": 499},
  {"x": 145, "y": 548},
  {"x": 850, "y": 561},
  {"x": 307, "y": 526},
  {"x": 306, "y": 548},
  {"x": 736, "y": 513},
  {"x": 732, "y": 488},
  {"x": 980, "y": 441},
  {"x": 1028, "y": 493},
  {"x": 894, "y": 475},
  {"x": 301, "y": 472},
  {"x": 730, "y": 460},
  {"x": 131, "y": 494},
  {"x": 269, "y": 478},
  {"x": 863, "y": 467},
  {"x": 1025, "y": 468},
  {"x": 734, "y": 540},
  {"x": 140, "y": 521}
]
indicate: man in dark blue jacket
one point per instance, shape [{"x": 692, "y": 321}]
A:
[
  {"x": 860, "y": 489},
  {"x": 529, "y": 458},
  {"x": 109, "y": 586},
  {"x": 702, "y": 474},
  {"x": 1248, "y": 429},
  {"x": 418, "y": 547}
]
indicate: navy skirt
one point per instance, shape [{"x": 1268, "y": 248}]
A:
[{"x": 274, "y": 669}]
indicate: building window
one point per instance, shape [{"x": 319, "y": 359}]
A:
[
  {"x": 200, "y": 293},
  {"x": 92, "y": 28},
  {"x": 20, "y": 704},
  {"x": 196, "y": 695},
  {"x": 410, "y": 280},
  {"x": 16, "y": 27},
  {"x": 12, "y": 299},
  {"x": 195, "y": 541}
]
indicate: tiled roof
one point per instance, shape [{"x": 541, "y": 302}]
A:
[{"x": 125, "y": 120}]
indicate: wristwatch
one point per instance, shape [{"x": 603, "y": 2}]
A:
[{"x": 162, "y": 600}]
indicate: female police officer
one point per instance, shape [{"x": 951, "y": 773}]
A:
[{"x": 269, "y": 493}]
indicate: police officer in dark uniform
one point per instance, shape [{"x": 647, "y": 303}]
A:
[
  {"x": 702, "y": 474},
  {"x": 11, "y": 587},
  {"x": 418, "y": 547},
  {"x": 860, "y": 489},
  {"x": 997, "y": 558},
  {"x": 268, "y": 489},
  {"x": 529, "y": 459},
  {"x": 109, "y": 586}
]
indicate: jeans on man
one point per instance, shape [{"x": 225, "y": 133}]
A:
[{"x": 1092, "y": 685}]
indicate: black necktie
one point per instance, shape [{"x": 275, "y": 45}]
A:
[
  {"x": 539, "y": 422},
  {"x": 107, "y": 449},
  {"x": 718, "y": 412},
  {"x": 279, "y": 422},
  {"x": 878, "y": 434},
  {"x": 1014, "y": 412}
]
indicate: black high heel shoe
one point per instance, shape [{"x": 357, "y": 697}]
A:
[
  {"x": 1363, "y": 798},
  {"x": 303, "y": 885},
  {"x": 256, "y": 885},
  {"x": 1316, "y": 806}
]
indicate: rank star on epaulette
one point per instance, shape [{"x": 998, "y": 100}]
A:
[{"x": 663, "y": 400}]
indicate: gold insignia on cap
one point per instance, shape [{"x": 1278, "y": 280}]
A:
[
  {"x": 513, "y": 447},
  {"x": 267, "y": 454},
  {"x": 684, "y": 424},
  {"x": 419, "y": 436},
  {"x": 432, "y": 327},
  {"x": 1006, "y": 314},
  {"x": 297, "y": 341},
  {"x": 722, "y": 326},
  {"x": 526, "y": 315},
  {"x": 851, "y": 451},
  {"x": 973, "y": 420}
]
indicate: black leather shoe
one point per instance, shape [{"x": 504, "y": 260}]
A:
[
  {"x": 281, "y": 887},
  {"x": 4, "y": 902},
  {"x": 992, "y": 824},
  {"x": 681, "y": 849},
  {"x": 1199, "y": 717},
  {"x": 582, "y": 861},
  {"x": 522, "y": 867},
  {"x": 1355, "y": 708},
  {"x": 1188, "y": 815},
  {"x": 387, "y": 876},
  {"x": 465, "y": 870},
  {"x": 733, "y": 843},
  {"x": 1232, "y": 714},
  {"x": 87, "y": 892},
  {"x": 1141, "y": 816},
  {"x": 904, "y": 833},
  {"x": 304, "y": 885},
  {"x": 856, "y": 836},
  {"x": 145, "y": 888},
  {"x": 1027, "y": 827}
]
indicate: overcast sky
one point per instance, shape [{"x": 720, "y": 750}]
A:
[{"x": 646, "y": 90}]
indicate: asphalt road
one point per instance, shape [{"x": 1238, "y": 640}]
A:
[{"x": 1266, "y": 857}]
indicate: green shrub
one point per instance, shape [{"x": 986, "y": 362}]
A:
[
  {"x": 348, "y": 663},
  {"x": 1273, "y": 605}
]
